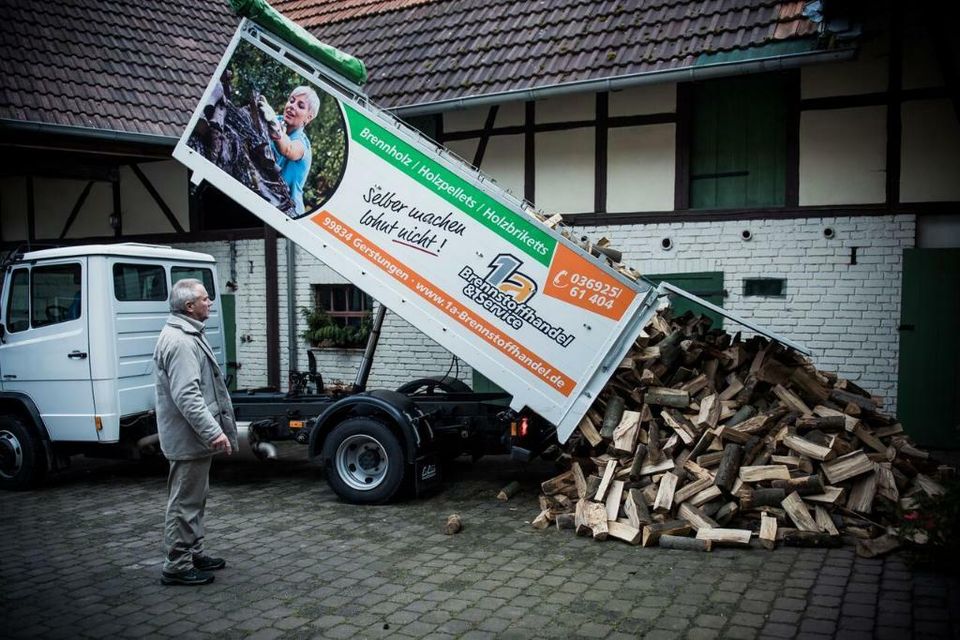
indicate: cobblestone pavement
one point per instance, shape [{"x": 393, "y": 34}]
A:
[{"x": 82, "y": 557}]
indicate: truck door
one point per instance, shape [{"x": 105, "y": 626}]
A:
[{"x": 45, "y": 348}]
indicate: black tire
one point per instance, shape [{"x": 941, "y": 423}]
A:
[
  {"x": 364, "y": 461},
  {"x": 23, "y": 463}
]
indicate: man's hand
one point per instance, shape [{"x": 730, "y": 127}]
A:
[
  {"x": 222, "y": 443},
  {"x": 271, "y": 117}
]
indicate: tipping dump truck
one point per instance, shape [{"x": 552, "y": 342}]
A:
[{"x": 432, "y": 239}]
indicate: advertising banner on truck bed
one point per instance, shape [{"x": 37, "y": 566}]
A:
[{"x": 436, "y": 242}]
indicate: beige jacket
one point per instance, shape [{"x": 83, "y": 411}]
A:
[{"x": 193, "y": 404}]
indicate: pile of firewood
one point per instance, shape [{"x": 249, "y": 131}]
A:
[{"x": 702, "y": 438}]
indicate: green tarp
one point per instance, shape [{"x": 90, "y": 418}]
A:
[{"x": 273, "y": 21}]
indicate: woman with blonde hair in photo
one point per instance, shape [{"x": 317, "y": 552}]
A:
[{"x": 291, "y": 147}]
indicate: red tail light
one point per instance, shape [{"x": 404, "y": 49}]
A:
[{"x": 523, "y": 427}]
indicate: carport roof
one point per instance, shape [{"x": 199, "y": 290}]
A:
[{"x": 117, "y": 68}]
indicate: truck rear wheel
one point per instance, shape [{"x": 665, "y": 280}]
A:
[
  {"x": 364, "y": 461},
  {"x": 22, "y": 461}
]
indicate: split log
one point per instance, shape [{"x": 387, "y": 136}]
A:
[
  {"x": 806, "y": 448},
  {"x": 805, "y": 485},
  {"x": 848, "y": 466},
  {"x": 509, "y": 491},
  {"x": 696, "y": 517},
  {"x": 691, "y": 488},
  {"x": 726, "y": 513},
  {"x": 705, "y": 496},
  {"x": 729, "y": 467},
  {"x": 637, "y": 464},
  {"x": 653, "y": 441},
  {"x": 454, "y": 525},
  {"x": 764, "y": 472},
  {"x": 681, "y": 426},
  {"x": 559, "y": 484},
  {"x": 591, "y": 519},
  {"x": 709, "y": 413},
  {"x": 830, "y": 495},
  {"x": 761, "y": 498},
  {"x": 589, "y": 431},
  {"x": 652, "y": 532},
  {"x": 665, "y": 396},
  {"x": 542, "y": 521},
  {"x": 668, "y": 486},
  {"x": 636, "y": 510},
  {"x": 798, "y": 512},
  {"x": 768, "y": 532},
  {"x": 612, "y": 504},
  {"x": 579, "y": 480},
  {"x": 605, "y": 480},
  {"x": 732, "y": 537},
  {"x": 625, "y": 433},
  {"x": 649, "y": 469},
  {"x": 844, "y": 398},
  {"x": 612, "y": 416},
  {"x": 683, "y": 543},
  {"x": 824, "y": 521},
  {"x": 862, "y": 493},
  {"x": 566, "y": 521},
  {"x": 625, "y": 532},
  {"x": 790, "y": 399},
  {"x": 811, "y": 539}
]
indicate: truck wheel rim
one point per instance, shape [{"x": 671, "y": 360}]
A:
[
  {"x": 362, "y": 462},
  {"x": 11, "y": 455}
]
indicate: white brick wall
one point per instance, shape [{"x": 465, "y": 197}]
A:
[{"x": 847, "y": 314}]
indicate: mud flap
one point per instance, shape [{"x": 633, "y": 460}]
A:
[{"x": 426, "y": 474}]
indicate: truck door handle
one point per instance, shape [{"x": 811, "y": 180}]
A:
[{"x": 77, "y": 355}]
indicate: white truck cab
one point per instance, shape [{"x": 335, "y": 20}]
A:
[{"x": 78, "y": 326}]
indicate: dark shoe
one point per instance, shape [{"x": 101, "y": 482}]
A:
[
  {"x": 190, "y": 578},
  {"x": 206, "y": 563}
]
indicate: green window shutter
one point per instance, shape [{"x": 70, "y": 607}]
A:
[
  {"x": 738, "y": 150},
  {"x": 707, "y": 285}
]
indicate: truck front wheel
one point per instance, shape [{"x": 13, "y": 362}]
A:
[
  {"x": 22, "y": 461},
  {"x": 364, "y": 461}
]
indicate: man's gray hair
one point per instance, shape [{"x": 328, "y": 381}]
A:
[
  {"x": 183, "y": 292},
  {"x": 313, "y": 100}
]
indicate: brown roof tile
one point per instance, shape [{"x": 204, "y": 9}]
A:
[{"x": 140, "y": 65}]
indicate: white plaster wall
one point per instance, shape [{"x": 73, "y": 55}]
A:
[
  {"x": 842, "y": 156},
  {"x": 565, "y": 171},
  {"x": 54, "y": 199},
  {"x": 511, "y": 114},
  {"x": 141, "y": 213},
  {"x": 503, "y": 161},
  {"x": 930, "y": 167},
  {"x": 939, "y": 232},
  {"x": 866, "y": 74},
  {"x": 847, "y": 314},
  {"x": 641, "y": 168},
  {"x": 656, "y": 98},
  {"x": 465, "y": 119},
  {"x": 466, "y": 149},
  {"x": 567, "y": 108}
]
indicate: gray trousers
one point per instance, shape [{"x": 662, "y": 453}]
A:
[{"x": 187, "y": 487}]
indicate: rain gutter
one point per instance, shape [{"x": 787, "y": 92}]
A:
[
  {"x": 89, "y": 132},
  {"x": 687, "y": 74}
]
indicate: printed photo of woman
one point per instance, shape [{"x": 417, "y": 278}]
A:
[{"x": 290, "y": 144}]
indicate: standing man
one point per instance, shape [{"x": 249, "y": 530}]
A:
[{"x": 195, "y": 421}]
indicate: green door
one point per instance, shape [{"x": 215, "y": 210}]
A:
[
  {"x": 707, "y": 285},
  {"x": 229, "y": 305},
  {"x": 928, "y": 389}
]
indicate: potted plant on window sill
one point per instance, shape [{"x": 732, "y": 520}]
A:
[{"x": 323, "y": 332}]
